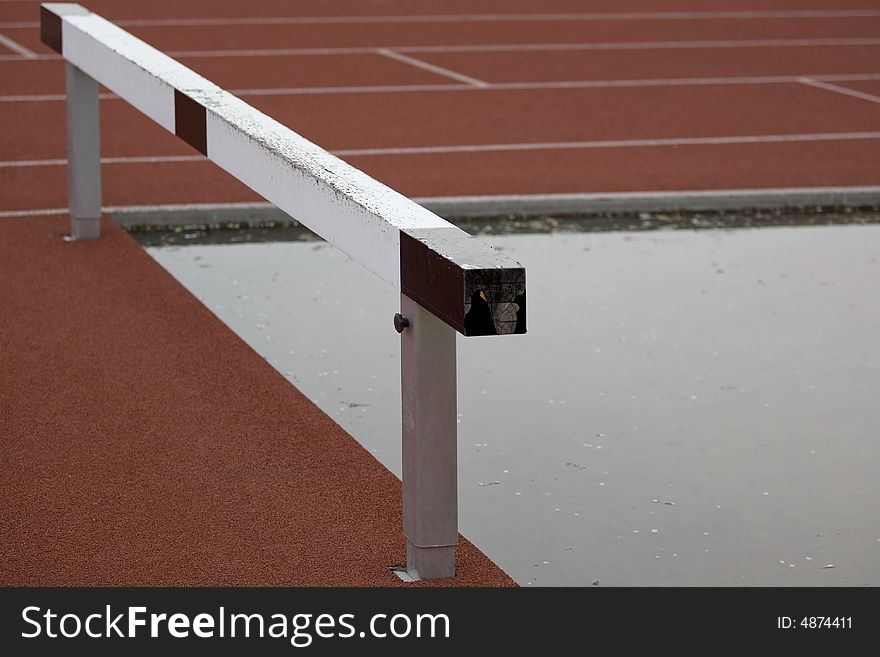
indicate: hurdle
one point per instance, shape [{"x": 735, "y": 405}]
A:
[{"x": 448, "y": 281}]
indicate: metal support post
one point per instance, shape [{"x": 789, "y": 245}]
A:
[
  {"x": 430, "y": 454},
  {"x": 83, "y": 154}
]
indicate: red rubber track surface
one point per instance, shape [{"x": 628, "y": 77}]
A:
[
  {"x": 486, "y": 117},
  {"x": 116, "y": 9},
  {"x": 145, "y": 444},
  {"x": 865, "y": 86},
  {"x": 662, "y": 99}
]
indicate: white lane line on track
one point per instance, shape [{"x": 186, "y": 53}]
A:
[
  {"x": 500, "y": 86},
  {"x": 22, "y": 58},
  {"x": 811, "y": 82},
  {"x": 593, "y": 196},
  {"x": 16, "y": 47},
  {"x": 488, "y": 18},
  {"x": 798, "y": 196},
  {"x": 533, "y": 47},
  {"x": 648, "y": 45},
  {"x": 610, "y": 143},
  {"x": 425, "y": 66},
  {"x": 491, "y": 148},
  {"x": 171, "y": 207},
  {"x": 541, "y": 47},
  {"x": 513, "y": 47},
  {"x": 146, "y": 159}
]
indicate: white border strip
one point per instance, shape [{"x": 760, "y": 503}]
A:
[{"x": 532, "y": 204}]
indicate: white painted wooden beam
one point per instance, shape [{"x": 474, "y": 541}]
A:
[{"x": 455, "y": 276}]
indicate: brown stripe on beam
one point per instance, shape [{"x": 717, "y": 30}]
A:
[
  {"x": 471, "y": 287},
  {"x": 432, "y": 281},
  {"x": 190, "y": 123},
  {"x": 50, "y": 29}
]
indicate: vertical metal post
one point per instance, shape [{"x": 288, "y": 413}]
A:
[
  {"x": 430, "y": 454},
  {"x": 83, "y": 154}
]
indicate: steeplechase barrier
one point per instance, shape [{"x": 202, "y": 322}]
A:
[{"x": 448, "y": 280}]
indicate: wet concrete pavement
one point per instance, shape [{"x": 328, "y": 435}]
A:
[{"x": 688, "y": 407}]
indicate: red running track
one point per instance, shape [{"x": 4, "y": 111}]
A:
[
  {"x": 145, "y": 444},
  {"x": 485, "y": 98}
]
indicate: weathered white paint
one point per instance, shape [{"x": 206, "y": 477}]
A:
[
  {"x": 349, "y": 209},
  {"x": 119, "y": 62}
]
